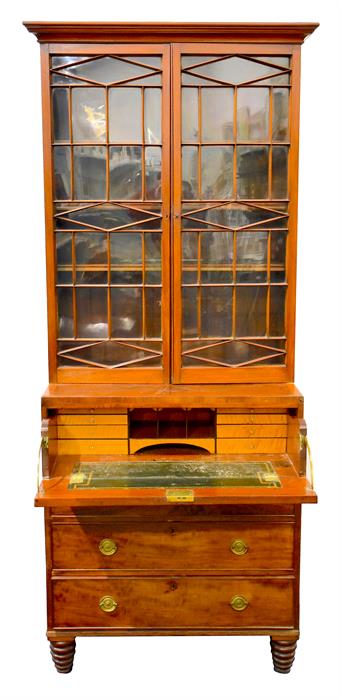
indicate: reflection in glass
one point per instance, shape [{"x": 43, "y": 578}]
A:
[
  {"x": 217, "y": 114},
  {"x": 107, "y": 70},
  {"x": 126, "y": 312},
  {"x": 278, "y": 256},
  {"x": 89, "y": 172},
  {"x": 91, "y": 258},
  {"x": 190, "y": 111},
  {"x": 61, "y": 159},
  {"x": 60, "y": 107},
  {"x": 216, "y": 256},
  {"x": 279, "y": 172},
  {"x": 251, "y": 256},
  {"x": 189, "y": 258},
  {"x": 92, "y": 312},
  {"x": 65, "y": 312},
  {"x": 235, "y": 215},
  {"x": 189, "y": 312},
  {"x": 64, "y": 257},
  {"x": 250, "y": 311},
  {"x": 252, "y": 172},
  {"x": 235, "y": 69},
  {"x": 217, "y": 172},
  {"x": 125, "y": 115},
  {"x": 152, "y": 258},
  {"x": 88, "y": 114},
  {"x": 280, "y": 116},
  {"x": 152, "y": 116},
  {"x": 216, "y": 312},
  {"x": 153, "y": 61},
  {"x": 126, "y": 258},
  {"x": 152, "y": 297},
  {"x": 125, "y": 163},
  {"x": 153, "y": 172},
  {"x": 107, "y": 216},
  {"x": 277, "y": 310},
  {"x": 190, "y": 172},
  {"x": 252, "y": 114}
]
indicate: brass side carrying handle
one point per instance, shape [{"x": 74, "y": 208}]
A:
[
  {"x": 239, "y": 547},
  {"x": 108, "y": 547},
  {"x": 108, "y": 604},
  {"x": 239, "y": 603}
]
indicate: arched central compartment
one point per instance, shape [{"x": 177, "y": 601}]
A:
[
  {"x": 170, "y": 429},
  {"x": 170, "y": 448}
]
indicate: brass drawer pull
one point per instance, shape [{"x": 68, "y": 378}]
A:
[
  {"x": 239, "y": 547},
  {"x": 108, "y": 604},
  {"x": 108, "y": 547},
  {"x": 239, "y": 603}
]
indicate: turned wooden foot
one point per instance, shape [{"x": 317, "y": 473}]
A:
[
  {"x": 283, "y": 654},
  {"x": 62, "y": 654}
]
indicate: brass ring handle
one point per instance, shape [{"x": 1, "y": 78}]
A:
[
  {"x": 239, "y": 603},
  {"x": 108, "y": 547},
  {"x": 239, "y": 547},
  {"x": 107, "y": 604}
]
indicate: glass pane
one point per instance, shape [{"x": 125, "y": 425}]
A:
[
  {"x": 108, "y": 216},
  {"x": 62, "y": 186},
  {"x": 152, "y": 61},
  {"x": 217, "y": 114},
  {"x": 152, "y": 255},
  {"x": 88, "y": 114},
  {"x": 91, "y": 258},
  {"x": 191, "y": 79},
  {"x": 153, "y": 172},
  {"x": 189, "y": 312},
  {"x": 109, "y": 353},
  {"x": 60, "y": 108},
  {"x": 216, "y": 256},
  {"x": 253, "y": 114},
  {"x": 189, "y": 258},
  {"x": 57, "y": 61},
  {"x": 280, "y": 61},
  {"x": 152, "y": 116},
  {"x": 189, "y": 61},
  {"x": 151, "y": 80},
  {"x": 277, "y": 310},
  {"x": 125, "y": 115},
  {"x": 279, "y": 172},
  {"x": 65, "y": 312},
  {"x": 278, "y": 256},
  {"x": 92, "y": 312},
  {"x": 250, "y": 311},
  {"x": 280, "y": 116},
  {"x": 216, "y": 311},
  {"x": 252, "y": 256},
  {"x": 190, "y": 172},
  {"x": 252, "y": 172},
  {"x": 89, "y": 172},
  {"x": 153, "y": 311},
  {"x": 107, "y": 70},
  {"x": 64, "y": 258},
  {"x": 217, "y": 172},
  {"x": 235, "y": 216},
  {"x": 125, "y": 172},
  {"x": 234, "y": 69},
  {"x": 126, "y": 312},
  {"x": 126, "y": 258},
  {"x": 190, "y": 111}
]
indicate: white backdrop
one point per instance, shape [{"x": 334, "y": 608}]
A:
[{"x": 206, "y": 668}]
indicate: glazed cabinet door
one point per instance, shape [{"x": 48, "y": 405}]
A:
[
  {"x": 106, "y": 112},
  {"x": 235, "y": 197}
]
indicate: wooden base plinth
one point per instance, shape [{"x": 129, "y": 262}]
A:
[
  {"x": 63, "y": 654},
  {"x": 283, "y": 654}
]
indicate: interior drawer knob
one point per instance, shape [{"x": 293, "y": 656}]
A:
[
  {"x": 238, "y": 547},
  {"x": 108, "y": 604},
  {"x": 108, "y": 547},
  {"x": 239, "y": 603}
]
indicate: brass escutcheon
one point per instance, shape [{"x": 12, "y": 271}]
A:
[
  {"x": 108, "y": 547},
  {"x": 239, "y": 603},
  {"x": 238, "y": 547},
  {"x": 107, "y": 604}
]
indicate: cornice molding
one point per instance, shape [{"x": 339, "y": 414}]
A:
[{"x": 270, "y": 32}]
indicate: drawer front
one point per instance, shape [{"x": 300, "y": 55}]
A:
[
  {"x": 174, "y": 546},
  {"x": 192, "y": 602}
]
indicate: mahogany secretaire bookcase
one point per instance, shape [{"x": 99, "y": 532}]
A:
[{"x": 173, "y": 439}]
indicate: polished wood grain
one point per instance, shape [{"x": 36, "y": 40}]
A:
[
  {"x": 197, "y": 601},
  {"x": 63, "y": 653},
  {"x": 283, "y": 654}
]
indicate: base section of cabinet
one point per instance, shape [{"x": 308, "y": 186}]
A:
[{"x": 174, "y": 602}]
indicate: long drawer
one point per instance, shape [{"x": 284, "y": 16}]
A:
[
  {"x": 173, "y": 603},
  {"x": 177, "y": 546}
]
